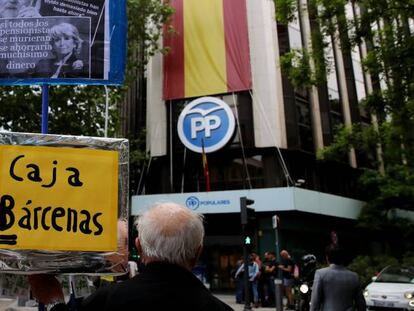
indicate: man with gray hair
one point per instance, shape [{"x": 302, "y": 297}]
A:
[{"x": 170, "y": 240}]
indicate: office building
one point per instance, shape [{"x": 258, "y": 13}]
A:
[{"x": 233, "y": 54}]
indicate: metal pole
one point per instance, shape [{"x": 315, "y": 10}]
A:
[
  {"x": 278, "y": 279},
  {"x": 171, "y": 150},
  {"x": 45, "y": 121},
  {"x": 106, "y": 110},
  {"x": 45, "y": 108},
  {"x": 247, "y": 306}
]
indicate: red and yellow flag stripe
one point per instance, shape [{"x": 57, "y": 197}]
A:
[{"x": 209, "y": 50}]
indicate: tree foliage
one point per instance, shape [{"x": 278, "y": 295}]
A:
[
  {"x": 147, "y": 19},
  {"x": 367, "y": 267},
  {"x": 80, "y": 109},
  {"x": 385, "y": 27}
]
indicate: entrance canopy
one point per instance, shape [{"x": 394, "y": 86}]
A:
[{"x": 266, "y": 200}]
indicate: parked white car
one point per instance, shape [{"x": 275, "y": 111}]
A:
[{"x": 393, "y": 288}]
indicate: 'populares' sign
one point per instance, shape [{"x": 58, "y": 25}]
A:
[{"x": 58, "y": 198}]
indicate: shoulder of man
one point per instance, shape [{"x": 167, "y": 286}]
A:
[
  {"x": 354, "y": 275},
  {"x": 98, "y": 299},
  {"x": 323, "y": 271}
]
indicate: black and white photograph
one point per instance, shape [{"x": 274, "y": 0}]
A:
[
  {"x": 69, "y": 56},
  {"x": 53, "y": 39}
]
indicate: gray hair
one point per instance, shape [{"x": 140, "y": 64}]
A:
[
  {"x": 170, "y": 232},
  {"x": 66, "y": 29}
]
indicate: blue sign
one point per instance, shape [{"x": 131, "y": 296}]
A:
[
  {"x": 63, "y": 42},
  {"x": 206, "y": 121},
  {"x": 192, "y": 203}
]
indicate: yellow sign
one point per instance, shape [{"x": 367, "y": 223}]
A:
[{"x": 56, "y": 198}]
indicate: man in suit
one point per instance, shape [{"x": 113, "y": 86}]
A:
[
  {"x": 335, "y": 288},
  {"x": 170, "y": 239}
]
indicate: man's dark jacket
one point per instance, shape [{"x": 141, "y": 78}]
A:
[{"x": 160, "y": 287}]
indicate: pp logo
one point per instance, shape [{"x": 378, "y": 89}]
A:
[
  {"x": 208, "y": 121},
  {"x": 192, "y": 203}
]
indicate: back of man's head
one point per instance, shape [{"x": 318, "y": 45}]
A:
[
  {"x": 171, "y": 233},
  {"x": 335, "y": 254}
]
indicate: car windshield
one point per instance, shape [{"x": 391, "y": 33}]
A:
[{"x": 396, "y": 275}]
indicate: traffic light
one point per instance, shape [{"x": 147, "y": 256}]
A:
[
  {"x": 246, "y": 213},
  {"x": 248, "y": 220},
  {"x": 247, "y": 240}
]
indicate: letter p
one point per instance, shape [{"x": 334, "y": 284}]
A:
[{"x": 207, "y": 123}]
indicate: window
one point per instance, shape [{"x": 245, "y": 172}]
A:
[{"x": 333, "y": 87}]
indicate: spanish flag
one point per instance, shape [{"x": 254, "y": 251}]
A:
[{"x": 209, "y": 49}]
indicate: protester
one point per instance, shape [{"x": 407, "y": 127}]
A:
[
  {"x": 253, "y": 273},
  {"x": 259, "y": 278},
  {"x": 335, "y": 288},
  {"x": 170, "y": 240},
  {"x": 269, "y": 274},
  {"x": 287, "y": 266},
  {"x": 66, "y": 47},
  {"x": 238, "y": 279}
]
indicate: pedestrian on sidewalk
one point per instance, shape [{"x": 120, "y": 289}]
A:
[
  {"x": 253, "y": 273},
  {"x": 287, "y": 266},
  {"x": 170, "y": 240},
  {"x": 335, "y": 288},
  {"x": 269, "y": 274},
  {"x": 238, "y": 279}
]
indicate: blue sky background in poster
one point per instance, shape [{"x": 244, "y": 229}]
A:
[{"x": 62, "y": 42}]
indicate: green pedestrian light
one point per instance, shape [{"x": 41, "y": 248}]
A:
[{"x": 247, "y": 240}]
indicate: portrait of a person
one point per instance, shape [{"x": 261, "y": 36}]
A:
[
  {"x": 18, "y": 8},
  {"x": 66, "y": 48},
  {"x": 28, "y": 8}
]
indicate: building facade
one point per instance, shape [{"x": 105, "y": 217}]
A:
[{"x": 271, "y": 156}]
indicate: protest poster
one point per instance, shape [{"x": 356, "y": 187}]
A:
[
  {"x": 58, "y": 198},
  {"x": 63, "y": 203},
  {"x": 62, "y": 41}
]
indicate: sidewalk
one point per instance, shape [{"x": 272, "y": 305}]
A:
[
  {"x": 231, "y": 301},
  {"x": 11, "y": 304}
]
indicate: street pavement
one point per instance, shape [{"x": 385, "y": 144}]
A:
[
  {"x": 231, "y": 301},
  {"x": 11, "y": 304}
]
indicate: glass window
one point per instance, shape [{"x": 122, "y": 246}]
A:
[
  {"x": 332, "y": 84},
  {"x": 304, "y": 124},
  {"x": 395, "y": 274},
  {"x": 356, "y": 56},
  {"x": 295, "y": 37},
  {"x": 332, "y": 77}
]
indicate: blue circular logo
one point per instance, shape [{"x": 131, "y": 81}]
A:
[
  {"x": 208, "y": 121},
  {"x": 192, "y": 203}
]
